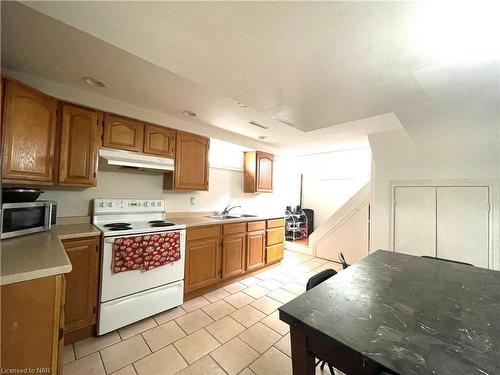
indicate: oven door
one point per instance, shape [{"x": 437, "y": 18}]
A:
[
  {"x": 116, "y": 285},
  {"x": 25, "y": 218}
]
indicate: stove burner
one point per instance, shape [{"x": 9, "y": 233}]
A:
[
  {"x": 120, "y": 228},
  {"x": 163, "y": 224},
  {"x": 111, "y": 225},
  {"x": 156, "y": 221}
]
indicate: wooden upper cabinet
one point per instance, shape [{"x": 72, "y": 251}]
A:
[
  {"x": 29, "y": 134},
  {"x": 78, "y": 146},
  {"x": 191, "y": 163},
  {"x": 258, "y": 172},
  {"x": 81, "y": 283},
  {"x": 233, "y": 255},
  {"x": 123, "y": 133},
  {"x": 159, "y": 141}
]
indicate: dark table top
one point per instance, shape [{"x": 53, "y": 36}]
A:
[{"x": 410, "y": 314}]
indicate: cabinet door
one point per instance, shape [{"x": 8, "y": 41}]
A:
[
  {"x": 415, "y": 220},
  {"x": 202, "y": 264},
  {"x": 123, "y": 133},
  {"x": 233, "y": 256},
  {"x": 29, "y": 134},
  {"x": 159, "y": 141},
  {"x": 81, "y": 283},
  {"x": 191, "y": 162},
  {"x": 264, "y": 172},
  {"x": 275, "y": 253},
  {"x": 78, "y": 146},
  {"x": 256, "y": 249},
  {"x": 463, "y": 224}
]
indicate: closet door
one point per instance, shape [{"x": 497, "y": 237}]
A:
[
  {"x": 462, "y": 224},
  {"x": 415, "y": 220}
]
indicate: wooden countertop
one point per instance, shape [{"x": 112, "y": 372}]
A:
[{"x": 40, "y": 254}]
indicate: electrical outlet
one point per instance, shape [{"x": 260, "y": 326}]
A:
[{"x": 192, "y": 200}]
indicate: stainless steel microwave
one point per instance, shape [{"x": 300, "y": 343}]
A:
[{"x": 27, "y": 217}]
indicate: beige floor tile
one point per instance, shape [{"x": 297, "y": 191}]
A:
[
  {"x": 216, "y": 295},
  {"x": 166, "y": 361},
  {"x": 163, "y": 335},
  {"x": 249, "y": 281},
  {"x": 256, "y": 291},
  {"x": 225, "y": 329},
  {"x": 247, "y": 315},
  {"x": 194, "y": 321},
  {"x": 239, "y": 299},
  {"x": 266, "y": 274},
  {"x": 282, "y": 295},
  {"x": 283, "y": 278},
  {"x": 260, "y": 337},
  {"x": 272, "y": 362},
  {"x": 90, "y": 365},
  {"x": 234, "y": 287},
  {"x": 218, "y": 309},
  {"x": 295, "y": 288},
  {"x": 124, "y": 353},
  {"x": 168, "y": 315},
  {"x": 129, "y": 370},
  {"x": 284, "y": 345},
  {"x": 136, "y": 328},
  {"x": 196, "y": 345},
  {"x": 93, "y": 344},
  {"x": 204, "y": 366},
  {"x": 273, "y": 321},
  {"x": 234, "y": 356},
  {"x": 266, "y": 305},
  {"x": 247, "y": 371},
  {"x": 270, "y": 284},
  {"x": 68, "y": 354},
  {"x": 194, "y": 304}
]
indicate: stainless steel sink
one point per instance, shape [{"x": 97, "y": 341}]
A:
[{"x": 226, "y": 217}]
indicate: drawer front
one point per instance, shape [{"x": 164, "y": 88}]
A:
[
  {"x": 274, "y": 253},
  {"x": 275, "y": 236},
  {"x": 203, "y": 232},
  {"x": 275, "y": 223},
  {"x": 234, "y": 228},
  {"x": 256, "y": 225}
]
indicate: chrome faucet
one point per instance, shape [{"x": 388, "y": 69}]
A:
[{"x": 227, "y": 209}]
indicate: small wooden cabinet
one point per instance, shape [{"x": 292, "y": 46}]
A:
[
  {"x": 32, "y": 334},
  {"x": 123, "y": 133},
  {"x": 159, "y": 140},
  {"x": 191, "y": 163},
  {"x": 202, "y": 263},
  {"x": 256, "y": 256},
  {"x": 81, "y": 283},
  {"x": 275, "y": 240},
  {"x": 258, "y": 172},
  {"x": 78, "y": 146},
  {"x": 29, "y": 135},
  {"x": 233, "y": 255}
]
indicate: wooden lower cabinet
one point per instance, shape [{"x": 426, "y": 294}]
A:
[
  {"x": 202, "y": 263},
  {"x": 275, "y": 253},
  {"x": 233, "y": 255},
  {"x": 32, "y": 333},
  {"x": 81, "y": 284},
  {"x": 256, "y": 249}
]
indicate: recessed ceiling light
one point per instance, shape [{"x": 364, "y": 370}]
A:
[
  {"x": 189, "y": 113},
  {"x": 93, "y": 82},
  {"x": 241, "y": 105},
  {"x": 262, "y": 137},
  {"x": 255, "y": 123}
]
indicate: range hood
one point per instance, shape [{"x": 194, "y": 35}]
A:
[{"x": 134, "y": 160}]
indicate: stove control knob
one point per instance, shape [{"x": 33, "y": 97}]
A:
[
  {"x": 146, "y": 204},
  {"x": 110, "y": 204},
  {"x": 158, "y": 203},
  {"x": 101, "y": 204}
]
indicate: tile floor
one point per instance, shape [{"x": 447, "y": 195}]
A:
[{"x": 232, "y": 330}]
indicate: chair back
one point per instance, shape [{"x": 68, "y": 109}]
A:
[
  {"x": 320, "y": 277},
  {"x": 447, "y": 260},
  {"x": 342, "y": 260}
]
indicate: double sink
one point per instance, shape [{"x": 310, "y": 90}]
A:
[{"x": 227, "y": 216}]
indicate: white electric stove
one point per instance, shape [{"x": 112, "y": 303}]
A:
[{"x": 126, "y": 297}]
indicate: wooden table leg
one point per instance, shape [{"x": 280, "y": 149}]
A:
[{"x": 302, "y": 359}]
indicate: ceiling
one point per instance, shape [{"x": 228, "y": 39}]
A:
[{"x": 318, "y": 75}]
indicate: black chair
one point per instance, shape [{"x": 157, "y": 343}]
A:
[
  {"x": 342, "y": 260},
  {"x": 447, "y": 260},
  {"x": 311, "y": 283}
]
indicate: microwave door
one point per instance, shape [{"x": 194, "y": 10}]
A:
[{"x": 23, "y": 220}]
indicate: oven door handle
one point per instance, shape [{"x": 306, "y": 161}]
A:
[{"x": 48, "y": 215}]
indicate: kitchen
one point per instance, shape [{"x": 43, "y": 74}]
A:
[{"x": 155, "y": 224}]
